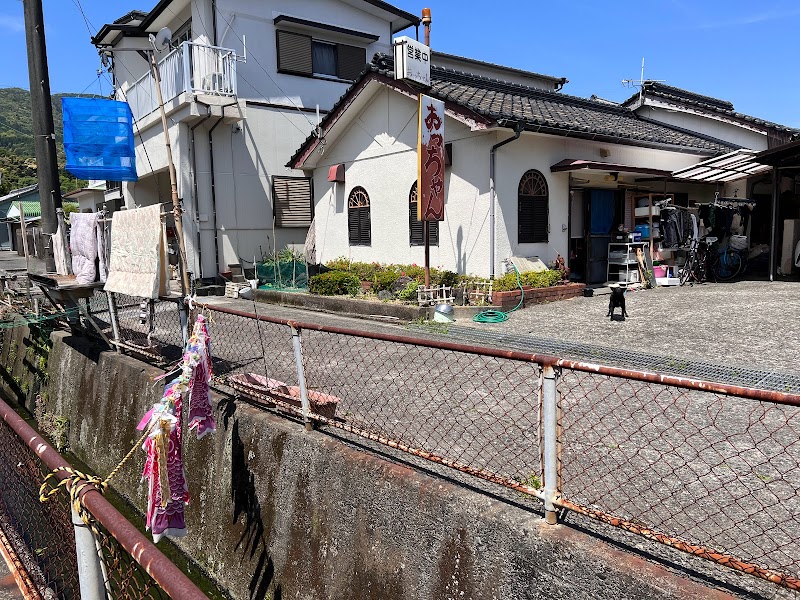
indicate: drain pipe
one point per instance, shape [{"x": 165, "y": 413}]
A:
[
  {"x": 492, "y": 194},
  {"x": 214, "y": 190},
  {"x": 194, "y": 193}
]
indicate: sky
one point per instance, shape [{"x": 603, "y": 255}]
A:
[{"x": 736, "y": 50}]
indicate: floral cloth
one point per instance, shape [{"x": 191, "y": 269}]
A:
[
  {"x": 167, "y": 489},
  {"x": 138, "y": 263}
]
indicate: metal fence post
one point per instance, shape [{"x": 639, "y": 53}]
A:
[
  {"x": 550, "y": 434},
  {"x": 90, "y": 570},
  {"x": 301, "y": 377},
  {"x": 114, "y": 318}
]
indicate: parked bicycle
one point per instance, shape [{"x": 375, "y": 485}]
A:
[
  {"x": 695, "y": 269},
  {"x": 729, "y": 263}
]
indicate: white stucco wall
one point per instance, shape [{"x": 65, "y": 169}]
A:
[
  {"x": 739, "y": 135},
  {"x": 379, "y": 152},
  {"x": 252, "y": 21}
]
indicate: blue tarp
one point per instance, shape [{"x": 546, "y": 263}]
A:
[{"x": 98, "y": 139}]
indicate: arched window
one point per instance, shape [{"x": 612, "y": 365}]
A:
[
  {"x": 358, "y": 221},
  {"x": 416, "y": 235},
  {"x": 533, "y": 208}
]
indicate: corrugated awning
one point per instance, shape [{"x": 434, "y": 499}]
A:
[
  {"x": 728, "y": 167},
  {"x": 32, "y": 209},
  {"x": 573, "y": 164}
]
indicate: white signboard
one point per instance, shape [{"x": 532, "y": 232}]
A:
[{"x": 412, "y": 61}]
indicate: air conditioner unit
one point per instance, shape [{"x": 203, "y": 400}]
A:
[{"x": 215, "y": 83}]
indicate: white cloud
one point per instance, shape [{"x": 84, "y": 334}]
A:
[
  {"x": 12, "y": 23},
  {"x": 752, "y": 19}
]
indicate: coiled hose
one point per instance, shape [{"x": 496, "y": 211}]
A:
[{"x": 499, "y": 316}]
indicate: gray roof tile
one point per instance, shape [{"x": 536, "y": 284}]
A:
[{"x": 541, "y": 110}]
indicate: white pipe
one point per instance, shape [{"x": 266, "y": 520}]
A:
[
  {"x": 90, "y": 569},
  {"x": 493, "y": 195},
  {"x": 550, "y": 430}
]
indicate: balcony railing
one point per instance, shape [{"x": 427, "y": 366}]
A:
[{"x": 191, "y": 69}]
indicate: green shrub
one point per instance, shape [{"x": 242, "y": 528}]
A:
[
  {"x": 536, "y": 280},
  {"x": 363, "y": 270},
  {"x": 409, "y": 292},
  {"x": 384, "y": 280},
  {"x": 334, "y": 283},
  {"x": 446, "y": 278}
]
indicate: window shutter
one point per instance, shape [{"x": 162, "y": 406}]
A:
[
  {"x": 417, "y": 236},
  {"x": 358, "y": 226},
  {"x": 294, "y": 53},
  {"x": 352, "y": 61},
  {"x": 292, "y": 201},
  {"x": 365, "y": 233},
  {"x": 533, "y": 219}
]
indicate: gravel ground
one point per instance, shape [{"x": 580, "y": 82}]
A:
[{"x": 749, "y": 323}]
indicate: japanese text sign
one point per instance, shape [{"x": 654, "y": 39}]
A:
[
  {"x": 412, "y": 61},
  {"x": 430, "y": 160}
]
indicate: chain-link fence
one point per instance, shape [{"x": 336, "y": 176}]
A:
[
  {"x": 39, "y": 537},
  {"x": 707, "y": 468}
]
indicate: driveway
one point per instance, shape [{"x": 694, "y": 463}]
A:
[{"x": 751, "y": 324}]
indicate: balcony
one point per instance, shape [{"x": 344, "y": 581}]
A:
[{"x": 191, "y": 69}]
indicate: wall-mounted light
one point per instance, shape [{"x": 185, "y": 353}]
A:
[{"x": 336, "y": 173}]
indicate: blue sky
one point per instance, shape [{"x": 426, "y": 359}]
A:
[{"x": 737, "y": 50}]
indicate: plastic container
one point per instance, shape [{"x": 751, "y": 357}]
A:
[
  {"x": 738, "y": 242},
  {"x": 644, "y": 230},
  {"x": 444, "y": 313},
  {"x": 660, "y": 270}
]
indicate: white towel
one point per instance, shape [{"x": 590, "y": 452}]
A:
[
  {"x": 138, "y": 265},
  {"x": 59, "y": 253}
]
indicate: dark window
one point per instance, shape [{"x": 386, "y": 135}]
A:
[
  {"x": 113, "y": 185},
  {"x": 299, "y": 54},
  {"x": 323, "y": 58},
  {"x": 358, "y": 220},
  {"x": 415, "y": 226},
  {"x": 292, "y": 201},
  {"x": 533, "y": 208}
]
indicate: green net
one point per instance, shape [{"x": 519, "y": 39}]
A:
[{"x": 282, "y": 275}]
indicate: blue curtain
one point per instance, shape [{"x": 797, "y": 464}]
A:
[{"x": 602, "y": 209}]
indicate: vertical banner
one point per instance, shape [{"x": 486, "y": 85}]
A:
[{"x": 430, "y": 160}]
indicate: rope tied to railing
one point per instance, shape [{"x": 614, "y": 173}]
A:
[{"x": 77, "y": 482}]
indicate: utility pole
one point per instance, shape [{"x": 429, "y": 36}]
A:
[
  {"x": 426, "y": 225},
  {"x": 43, "y": 129}
]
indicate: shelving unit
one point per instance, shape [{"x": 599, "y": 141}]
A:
[
  {"x": 648, "y": 215},
  {"x": 622, "y": 259}
]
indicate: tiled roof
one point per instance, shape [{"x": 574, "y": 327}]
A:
[
  {"x": 508, "y": 104},
  {"x": 683, "y": 97}
]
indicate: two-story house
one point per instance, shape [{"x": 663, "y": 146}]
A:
[{"x": 244, "y": 83}]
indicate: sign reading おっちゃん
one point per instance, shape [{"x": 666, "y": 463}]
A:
[
  {"x": 430, "y": 160},
  {"x": 412, "y": 61}
]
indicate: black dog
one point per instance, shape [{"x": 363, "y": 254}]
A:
[{"x": 616, "y": 299}]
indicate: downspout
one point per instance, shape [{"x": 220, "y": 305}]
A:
[
  {"x": 492, "y": 194},
  {"x": 213, "y": 189},
  {"x": 194, "y": 192}
]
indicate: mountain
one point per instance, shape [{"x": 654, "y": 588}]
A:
[{"x": 17, "y": 154}]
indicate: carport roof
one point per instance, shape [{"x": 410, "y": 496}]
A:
[{"x": 728, "y": 167}]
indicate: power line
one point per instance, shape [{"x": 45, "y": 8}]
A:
[
  {"x": 30, "y": 135},
  {"x": 89, "y": 27}
]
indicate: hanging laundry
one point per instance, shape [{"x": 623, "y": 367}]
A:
[
  {"x": 167, "y": 489},
  {"x": 138, "y": 264},
  {"x": 60, "y": 253},
  {"x": 83, "y": 245}
]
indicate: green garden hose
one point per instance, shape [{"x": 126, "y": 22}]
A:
[{"x": 499, "y": 316}]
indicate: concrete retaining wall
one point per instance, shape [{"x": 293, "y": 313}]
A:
[{"x": 277, "y": 512}]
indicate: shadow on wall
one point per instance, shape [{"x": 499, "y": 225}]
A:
[{"x": 251, "y": 541}]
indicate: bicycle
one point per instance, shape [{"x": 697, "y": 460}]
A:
[
  {"x": 728, "y": 264},
  {"x": 696, "y": 266}
]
